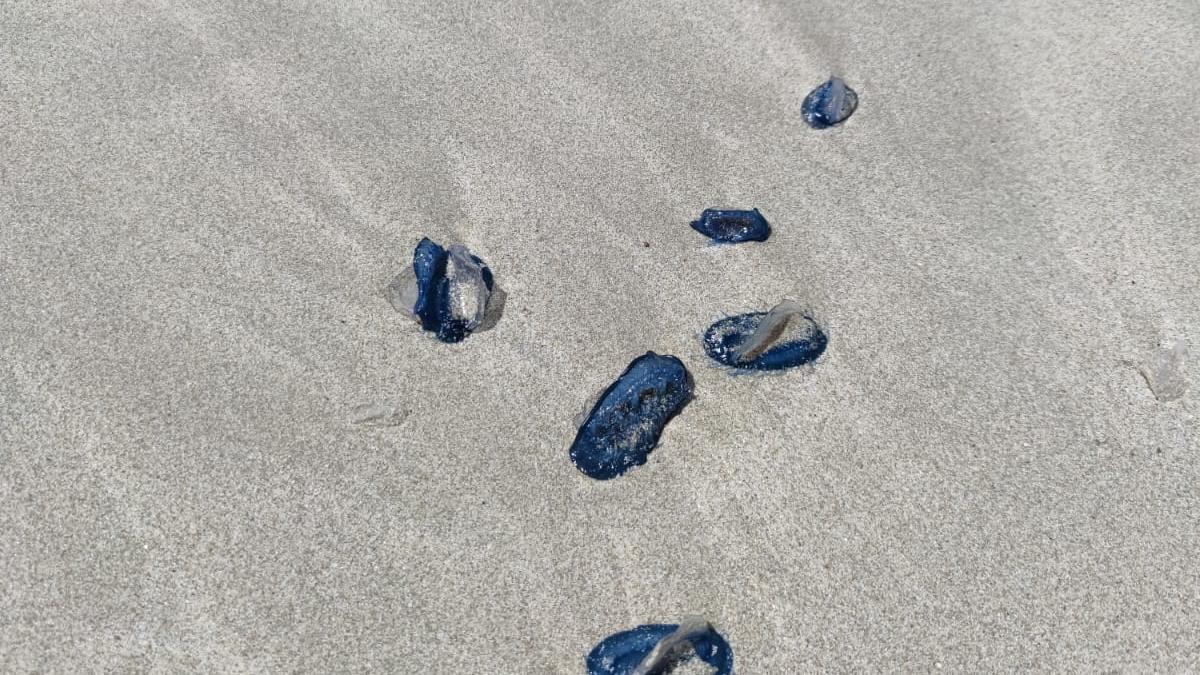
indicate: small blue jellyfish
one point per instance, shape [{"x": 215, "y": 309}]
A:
[
  {"x": 447, "y": 291},
  {"x": 625, "y": 423},
  {"x": 732, "y": 226},
  {"x": 829, "y": 104},
  {"x": 784, "y": 337},
  {"x": 656, "y": 649}
]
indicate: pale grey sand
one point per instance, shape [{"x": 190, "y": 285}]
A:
[{"x": 202, "y": 202}]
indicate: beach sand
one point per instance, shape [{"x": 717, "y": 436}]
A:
[{"x": 201, "y": 203}]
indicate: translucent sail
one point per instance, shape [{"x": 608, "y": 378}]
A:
[{"x": 672, "y": 646}]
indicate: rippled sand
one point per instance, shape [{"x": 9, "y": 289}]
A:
[{"x": 222, "y": 450}]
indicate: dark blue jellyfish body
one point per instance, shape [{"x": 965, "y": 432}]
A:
[
  {"x": 732, "y": 226},
  {"x": 829, "y": 104},
  {"x": 622, "y": 653},
  {"x": 754, "y": 341},
  {"x": 442, "y": 275},
  {"x": 625, "y": 424}
]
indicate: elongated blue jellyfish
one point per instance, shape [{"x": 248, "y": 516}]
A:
[
  {"x": 447, "y": 291},
  {"x": 732, "y": 226},
  {"x": 784, "y": 337},
  {"x": 829, "y": 104},
  {"x": 657, "y": 649},
  {"x": 627, "y": 419}
]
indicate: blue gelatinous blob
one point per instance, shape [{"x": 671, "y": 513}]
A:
[
  {"x": 829, "y": 104},
  {"x": 452, "y": 289},
  {"x": 429, "y": 264},
  {"x": 762, "y": 341},
  {"x": 627, "y": 652},
  {"x": 624, "y": 425},
  {"x": 732, "y": 225}
]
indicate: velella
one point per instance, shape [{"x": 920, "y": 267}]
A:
[
  {"x": 628, "y": 418},
  {"x": 658, "y": 649},
  {"x": 732, "y": 226},
  {"x": 784, "y": 337},
  {"x": 829, "y": 104},
  {"x": 446, "y": 290}
]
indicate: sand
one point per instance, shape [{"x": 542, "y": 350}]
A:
[{"x": 201, "y": 203}]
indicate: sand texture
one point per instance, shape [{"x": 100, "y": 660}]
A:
[{"x": 222, "y": 450}]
